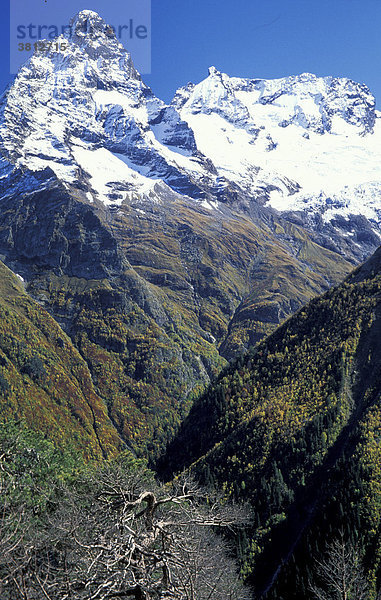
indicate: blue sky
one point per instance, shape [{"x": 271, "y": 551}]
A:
[{"x": 248, "y": 38}]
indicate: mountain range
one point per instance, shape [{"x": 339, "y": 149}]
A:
[
  {"x": 198, "y": 283},
  {"x": 166, "y": 239}
]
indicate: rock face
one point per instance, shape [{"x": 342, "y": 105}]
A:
[
  {"x": 50, "y": 230},
  {"x": 167, "y": 238},
  {"x": 303, "y": 144},
  {"x": 85, "y": 113}
]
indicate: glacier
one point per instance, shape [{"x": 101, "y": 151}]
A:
[{"x": 301, "y": 144}]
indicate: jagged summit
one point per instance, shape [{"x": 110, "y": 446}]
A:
[
  {"x": 83, "y": 111},
  {"x": 98, "y": 40},
  {"x": 88, "y": 14},
  {"x": 214, "y": 71},
  {"x": 300, "y": 143},
  {"x": 88, "y": 21},
  {"x": 305, "y": 143},
  {"x": 87, "y": 27}
]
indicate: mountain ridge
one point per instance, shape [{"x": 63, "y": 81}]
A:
[
  {"x": 102, "y": 182},
  {"x": 152, "y": 243},
  {"x": 293, "y": 427}
]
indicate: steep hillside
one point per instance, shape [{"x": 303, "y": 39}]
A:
[
  {"x": 152, "y": 298},
  {"x": 43, "y": 379},
  {"x": 294, "y": 427}
]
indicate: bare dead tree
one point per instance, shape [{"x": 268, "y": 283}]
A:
[
  {"x": 119, "y": 534},
  {"x": 340, "y": 574}
]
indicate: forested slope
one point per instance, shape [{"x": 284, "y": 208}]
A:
[
  {"x": 295, "y": 427},
  {"x": 43, "y": 379}
]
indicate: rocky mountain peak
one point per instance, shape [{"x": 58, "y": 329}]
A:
[
  {"x": 98, "y": 41},
  {"x": 213, "y": 71},
  {"x": 299, "y": 143},
  {"x": 82, "y": 110},
  {"x": 87, "y": 22}
]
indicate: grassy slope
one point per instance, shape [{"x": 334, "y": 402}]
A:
[
  {"x": 225, "y": 273},
  {"x": 195, "y": 282},
  {"x": 144, "y": 372}
]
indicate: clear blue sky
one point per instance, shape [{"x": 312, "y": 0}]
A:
[{"x": 251, "y": 38}]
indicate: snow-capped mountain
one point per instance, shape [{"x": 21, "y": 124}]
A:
[
  {"x": 165, "y": 238},
  {"x": 321, "y": 134},
  {"x": 84, "y": 112},
  {"x": 303, "y": 143}
]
